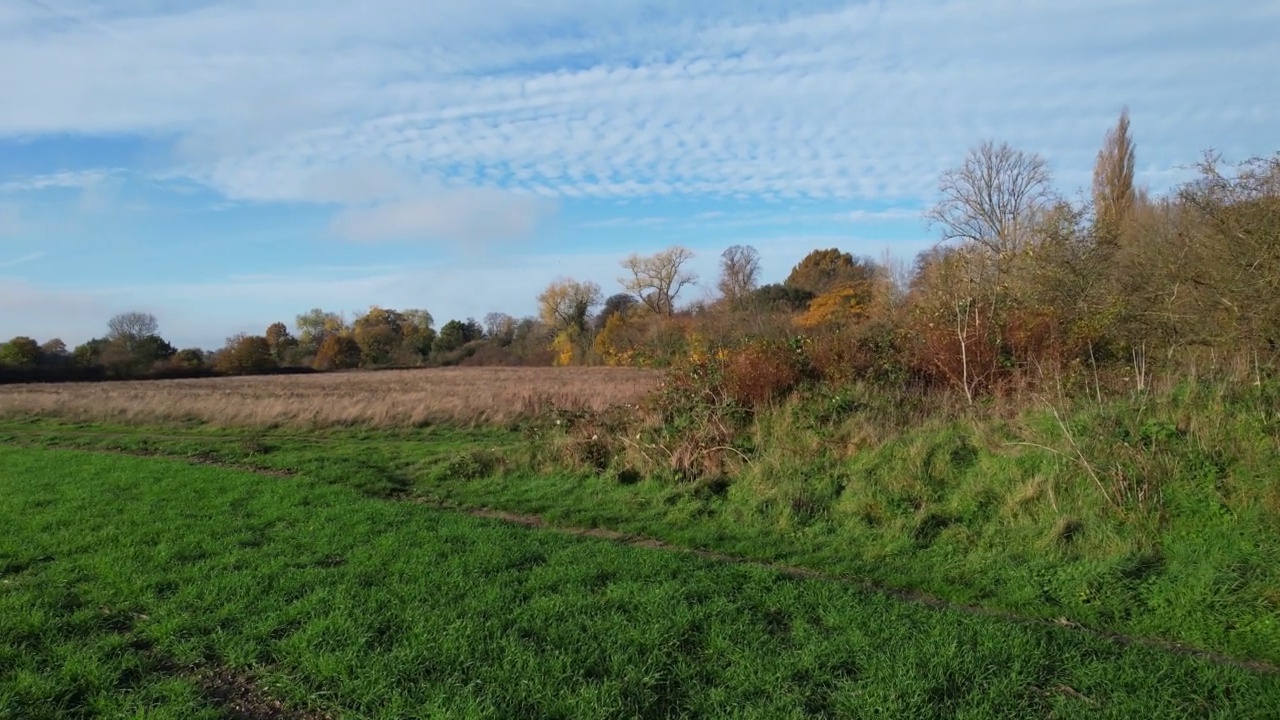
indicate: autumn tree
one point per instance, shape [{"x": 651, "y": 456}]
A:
[
  {"x": 657, "y": 280},
  {"x": 54, "y": 348},
  {"x": 315, "y": 326},
  {"x": 338, "y": 351},
  {"x": 379, "y": 333},
  {"x": 280, "y": 341},
  {"x": 1113, "y": 193},
  {"x": 618, "y": 303},
  {"x": 822, "y": 271},
  {"x": 834, "y": 309},
  {"x": 245, "y": 355},
  {"x": 739, "y": 273},
  {"x": 566, "y": 304}
]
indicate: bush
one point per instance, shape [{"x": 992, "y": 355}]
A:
[{"x": 763, "y": 371}]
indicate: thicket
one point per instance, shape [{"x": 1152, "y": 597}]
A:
[{"x": 1030, "y": 306}]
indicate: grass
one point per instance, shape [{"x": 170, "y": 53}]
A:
[
  {"x": 1156, "y": 518},
  {"x": 122, "y": 573},
  {"x": 385, "y": 399}
]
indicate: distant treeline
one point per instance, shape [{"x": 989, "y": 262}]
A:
[
  {"x": 72, "y": 373},
  {"x": 1027, "y": 288}
]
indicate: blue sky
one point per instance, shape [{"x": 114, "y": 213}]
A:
[{"x": 228, "y": 163}]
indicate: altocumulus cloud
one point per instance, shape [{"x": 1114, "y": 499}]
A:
[{"x": 828, "y": 100}]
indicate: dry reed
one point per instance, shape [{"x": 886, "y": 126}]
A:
[{"x": 386, "y": 399}]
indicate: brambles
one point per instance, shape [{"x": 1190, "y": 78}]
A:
[{"x": 761, "y": 372}]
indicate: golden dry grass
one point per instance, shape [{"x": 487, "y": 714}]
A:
[{"x": 394, "y": 398}]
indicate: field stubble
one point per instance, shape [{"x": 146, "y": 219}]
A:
[{"x": 385, "y": 399}]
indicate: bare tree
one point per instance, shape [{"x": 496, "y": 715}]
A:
[
  {"x": 1113, "y": 193},
  {"x": 656, "y": 280},
  {"x": 994, "y": 198},
  {"x": 131, "y": 327},
  {"x": 500, "y": 327},
  {"x": 739, "y": 272}
]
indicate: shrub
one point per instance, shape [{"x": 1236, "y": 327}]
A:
[{"x": 763, "y": 371}]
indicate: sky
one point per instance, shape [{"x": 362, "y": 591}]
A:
[{"x": 225, "y": 164}]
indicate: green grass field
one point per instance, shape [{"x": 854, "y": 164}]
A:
[{"x": 126, "y": 582}]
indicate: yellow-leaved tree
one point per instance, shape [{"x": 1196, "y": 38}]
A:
[
  {"x": 565, "y": 306},
  {"x": 836, "y": 308}
]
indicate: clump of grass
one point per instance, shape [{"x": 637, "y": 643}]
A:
[{"x": 469, "y": 465}]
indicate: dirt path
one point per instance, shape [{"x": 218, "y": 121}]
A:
[{"x": 640, "y": 541}]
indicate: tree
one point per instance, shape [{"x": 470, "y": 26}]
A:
[
  {"x": 823, "y": 271},
  {"x": 1230, "y": 239},
  {"x": 834, "y": 309},
  {"x": 500, "y": 328},
  {"x": 152, "y": 349},
  {"x": 739, "y": 272},
  {"x": 338, "y": 352},
  {"x": 246, "y": 355},
  {"x": 131, "y": 328},
  {"x": 456, "y": 333},
  {"x": 315, "y": 326},
  {"x": 780, "y": 298},
  {"x": 419, "y": 335},
  {"x": 994, "y": 198},
  {"x": 617, "y": 304},
  {"x": 379, "y": 333},
  {"x": 21, "y": 351},
  {"x": 192, "y": 358},
  {"x": 656, "y": 280},
  {"x": 617, "y": 342},
  {"x": 280, "y": 341},
  {"x": 566, "y": 303},
  {"x": 88, "y": 354},
  {"x": 1113, "y": 194},
  {"x": 418, "y": 318},
  {"x": 54, "y": 348}
]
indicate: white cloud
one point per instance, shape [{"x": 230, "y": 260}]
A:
[
  {"x": 66, "y": 179},
  {"x": 470, "y": 216},
  {"x": 835, "y": 100}
]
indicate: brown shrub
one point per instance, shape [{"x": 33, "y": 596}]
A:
[{"x": 759, "y": 373}]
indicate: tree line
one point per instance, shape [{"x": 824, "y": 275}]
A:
[{"x": 1024, "y": 285}]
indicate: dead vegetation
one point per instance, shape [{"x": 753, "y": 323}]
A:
[{"x": 386, "y": 399}]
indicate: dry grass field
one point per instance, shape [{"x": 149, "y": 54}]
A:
[{"x": 393, "y": 398}]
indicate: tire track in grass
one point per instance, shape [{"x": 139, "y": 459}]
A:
[
  {"x": 237, "y": 694},
  {"x": 537, "y": 522}
]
